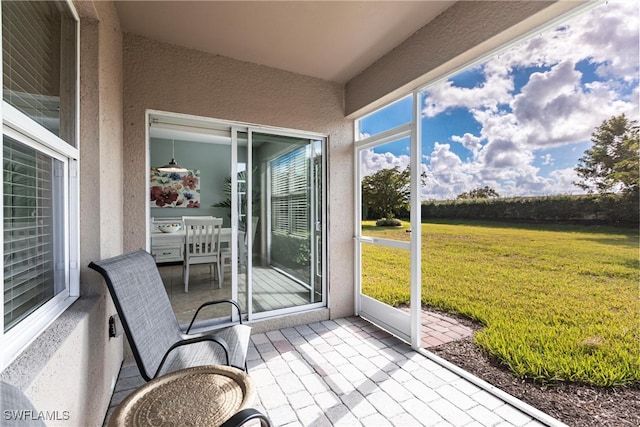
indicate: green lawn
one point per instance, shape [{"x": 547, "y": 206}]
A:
[{"x": 557, "y": 302}]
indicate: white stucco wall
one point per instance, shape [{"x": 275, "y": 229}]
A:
[
  {"x": 72, "y": 366},
  {"x": 163, "y": 77}
]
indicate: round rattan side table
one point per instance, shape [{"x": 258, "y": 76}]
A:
[{"x": 199, "y": 396}]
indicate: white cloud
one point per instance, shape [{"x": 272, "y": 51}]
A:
[
  {"x": 563, "y": 180},
  {"x": 553, "y": 108},
  {"x": 556, "y": 107},
  {"x": 371, "y": 162},
  {"x": 446, "y": 175},
  {"x": 495, "y": 90},
  {"x": 468, "y": 141},
  {"x": 547, "y": 159},
  {"x": 606, "y": 35}
]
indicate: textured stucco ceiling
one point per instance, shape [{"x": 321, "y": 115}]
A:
[{"x": 330, "y": 40}]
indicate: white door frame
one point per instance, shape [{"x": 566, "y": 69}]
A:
[
  {"x": 212, "y": 125},
  {"x": 404, "y": 325}
]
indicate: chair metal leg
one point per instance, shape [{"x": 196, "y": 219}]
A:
[{"x": 185, "y": 278}]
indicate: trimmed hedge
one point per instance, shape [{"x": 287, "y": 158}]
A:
[
  {"x": 389, "y": 222},
  {"x": 608, "y": 209}
]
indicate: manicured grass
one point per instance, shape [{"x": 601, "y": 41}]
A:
[{"x": 557, "y": 302}]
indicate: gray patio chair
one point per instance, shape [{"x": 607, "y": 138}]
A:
[{"x": 158, "y": 343}]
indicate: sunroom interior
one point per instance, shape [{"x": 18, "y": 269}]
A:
[{"x": 147, "y": 91}]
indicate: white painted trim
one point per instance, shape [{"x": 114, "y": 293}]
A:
[
  {"x": 147, "y": 178},
  {"x": 234, "y": 225},
  {"x": 28, "y": 329},
  {"x": 357, "y": 227},
  {"x": 17, "y": 120},
  {"x": 389, "y": 318},
  {"x": 248, "y": 224},
  {"x": 282, "y": 312},
  {"x": 396, "y": 244},
  {"x": 364, "y": 116},
  {"x": 390, "y": 135},
  {"x": 399, "y": 323},
  {"x": 416, "y": 227},
  {"x": 241, "y": 126}
]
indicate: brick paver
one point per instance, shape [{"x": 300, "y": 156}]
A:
[
  {"x": 368, "y": 378},
  {"x": 347, "y": 372}
]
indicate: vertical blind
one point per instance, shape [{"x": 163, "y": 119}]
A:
[
  {"x": 290, "y": 193},
  {"x": 32, "y": 180},
  {"x": 38, "y": 59}
]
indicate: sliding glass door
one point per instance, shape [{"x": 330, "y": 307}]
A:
[
  {"x": 280, "y": 222},
  {"x": 267, "y": 185}
]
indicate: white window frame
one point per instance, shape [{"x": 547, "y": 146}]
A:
[{"x": 20, "y": 127}]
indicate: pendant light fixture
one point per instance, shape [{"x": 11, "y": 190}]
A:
[{"x": 172, "y": 166}]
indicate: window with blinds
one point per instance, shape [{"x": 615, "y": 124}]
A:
[
  {"x": 40, "y": 221},
  {"x": 32, "y": 224},
  {"x": 290, "y": 193},
  {"x": 39, "y": 63}
]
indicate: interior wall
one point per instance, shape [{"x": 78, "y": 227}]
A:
[
  {"x": 462, "y": 33},
  {"x": 163, "y": 77},
  {"x": 213, "y": 161}
]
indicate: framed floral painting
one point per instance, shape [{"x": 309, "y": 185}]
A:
[{"x": 175, "y": 189}]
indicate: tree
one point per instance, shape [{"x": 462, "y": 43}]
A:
[
  {"x": 613, "y": 162},
  {"x": 387, "y": 192},
  {"x": 479, "y": 193}
]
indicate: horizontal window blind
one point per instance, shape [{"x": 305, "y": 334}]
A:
[
  {"x": 290, "y": 193},
  {"x": 38, "y": 59},
  {"x": 31, "y": 220}
]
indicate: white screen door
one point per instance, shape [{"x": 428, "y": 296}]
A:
[{"x": 388, "y": 258}]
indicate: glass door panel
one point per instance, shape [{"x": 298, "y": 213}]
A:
[
  {"x": 240, "y": 267},
  {"x": 283, "y": 233}
]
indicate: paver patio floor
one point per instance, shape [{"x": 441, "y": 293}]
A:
[{"x": 349, "y": 372}]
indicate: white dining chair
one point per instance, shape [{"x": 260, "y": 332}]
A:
[{"x": 202, "y": 245}]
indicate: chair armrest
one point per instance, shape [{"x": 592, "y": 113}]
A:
[
  {"x": 245, "y": 415},
  {"x": 206, "y": 304},
  {"x": 188, "y": 341}
]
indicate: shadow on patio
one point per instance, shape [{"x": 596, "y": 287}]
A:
[{"x": 349, "y": 372}]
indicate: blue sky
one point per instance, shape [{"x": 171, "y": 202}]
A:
[{"x": 520, "y": 121}]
